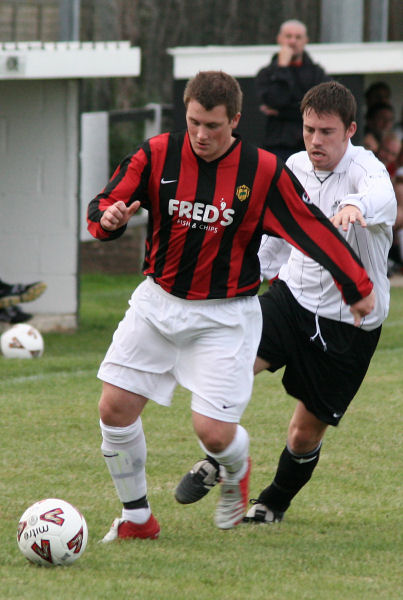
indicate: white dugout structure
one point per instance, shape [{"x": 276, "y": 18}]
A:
[{"x": 40, "y": 165}]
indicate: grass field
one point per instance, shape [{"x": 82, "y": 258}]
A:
[{"x": 341, "y": 539}]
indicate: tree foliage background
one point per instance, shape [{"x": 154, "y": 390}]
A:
[{"x": 155, "y": 25}]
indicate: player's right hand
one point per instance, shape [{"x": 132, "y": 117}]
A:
[
  {"x": 118, "y": 214},
  {"x": 348, "y": 214},
  {"x": 285, "y": 55}
]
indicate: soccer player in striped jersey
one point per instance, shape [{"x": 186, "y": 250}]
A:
[
  {"x": 306, "y": 325},
  {"x": 196, "y": 319}
]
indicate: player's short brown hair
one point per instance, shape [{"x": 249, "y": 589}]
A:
[
  {"x": 213, "y": 88},
  {"x": 331, "y": 97}
]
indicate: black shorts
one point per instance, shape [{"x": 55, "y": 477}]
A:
[{"x": 325, "y": 361}]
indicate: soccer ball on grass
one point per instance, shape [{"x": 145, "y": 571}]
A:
[
  {"x": 22, "y": 341},
  {"x": 52, "y": 532}
]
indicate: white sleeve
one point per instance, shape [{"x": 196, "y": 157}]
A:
[
  {"x": 273, "y": 253},
  {"x": 374, "y": 195}
]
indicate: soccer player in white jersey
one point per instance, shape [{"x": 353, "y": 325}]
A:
[{"x": 306, "y": 326}]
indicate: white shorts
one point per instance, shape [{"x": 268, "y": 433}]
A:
[{"x": 206, "y": 346}]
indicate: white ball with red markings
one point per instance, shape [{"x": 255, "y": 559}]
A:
[
  {"x": 52, "y": 532},
  {"x": 22, "y": 341}
]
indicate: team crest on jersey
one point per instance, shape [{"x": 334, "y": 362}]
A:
[{"x": 242, "y": 192}]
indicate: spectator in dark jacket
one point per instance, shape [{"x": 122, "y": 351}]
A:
[{"x": 281, "y": 86}]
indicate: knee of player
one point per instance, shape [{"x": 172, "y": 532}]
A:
[
  {"x": 105, "y": 410},
  {"x": 110, "y": 413},
  {"x": 213, "y": 440},
  {"x": 215, "y": 435},
  {"x": 302, "y": 440}
]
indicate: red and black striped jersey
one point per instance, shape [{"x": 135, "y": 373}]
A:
[{"x": 206, "y": 219}]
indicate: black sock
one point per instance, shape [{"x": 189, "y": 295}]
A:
[
  {"x": 140, "y": 503},
  {"x": 293, "y": 472}
]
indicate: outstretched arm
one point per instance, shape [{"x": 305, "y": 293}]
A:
[
  {"x": 351, "y": 214},
  {"x": 109, "y": 212},
  {"x": 293, "y": 217}
]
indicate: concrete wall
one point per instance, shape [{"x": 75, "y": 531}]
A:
[
  {"x": 39, "y": 145},
  {"x": 39, "y": 164}
]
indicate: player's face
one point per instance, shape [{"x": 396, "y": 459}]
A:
[
  {"x": 210, "y": 131},
  {"x": 326, "y": 139},
  {"x": 294, "y": 36}
]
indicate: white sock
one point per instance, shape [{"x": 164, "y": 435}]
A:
[
  {"x": 136, "y": 515},
  {"x": 125, "y": 452},
  {"x": 235, "y": 456}
]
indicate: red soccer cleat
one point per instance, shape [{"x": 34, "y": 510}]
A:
[{"x": 129, "y": 530}]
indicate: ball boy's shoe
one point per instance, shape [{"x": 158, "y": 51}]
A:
[
  {"x": 11, "y": 294},
  {"x": 13, "y": 314}
]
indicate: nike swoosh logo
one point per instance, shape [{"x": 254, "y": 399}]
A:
[
  {"x": 228, "y": 406},
  {"x": 163, "y": 181},
  {"x": 301, "y": 461}
]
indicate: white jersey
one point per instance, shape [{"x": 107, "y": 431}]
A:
[{"x": 361, "y": 180}]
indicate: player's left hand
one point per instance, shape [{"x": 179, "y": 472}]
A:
[
  {"x": 348, "y": 214},
  {"x": 268, "y": 111},
  {"x": 362, "y": 308}
]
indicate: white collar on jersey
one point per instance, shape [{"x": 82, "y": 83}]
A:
[{"x": 321, "y": 176}]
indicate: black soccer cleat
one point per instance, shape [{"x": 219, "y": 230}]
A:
[
  {"x": 12, "y": 294},
  {"x": 201, "y": 478},
  {"x": 13, "y": 314},
  {"x": 259, "y": 513}
]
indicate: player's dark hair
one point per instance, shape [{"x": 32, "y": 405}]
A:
[
  {"x": 331, "y": 97},
  {"x": 378, "y": 86},
  {"x": 377, "y": 108},
  {"x": 213, "y": 88}
]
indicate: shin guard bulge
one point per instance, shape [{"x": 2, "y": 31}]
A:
[{"x": 125, "y": 452}]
